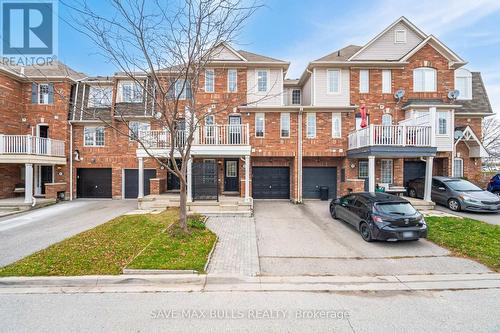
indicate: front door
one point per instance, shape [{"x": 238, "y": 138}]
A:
[
  {"x": 231, "y": 176},
  {"x": 173, "y": 183},
  {"x": 234, "y": 130}
]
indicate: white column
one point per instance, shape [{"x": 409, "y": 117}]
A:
[
  {"x": 371, "y": 173},
  {"x": 189, "y": 180},
  {"x": 140, "y": 195},
  {"x": 432, "y": 120},
  {"x": 428, "y": 178},
  {"x": 247, "y": 178},
  {"x": 28, "y": 183}
]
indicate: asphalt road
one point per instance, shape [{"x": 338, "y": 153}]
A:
[
  {"x": 305, "y": 240},
  {"x": 440, "y": 311},
  {"x": 26, "y": 233},
  {"x": 491, "y": 218}
]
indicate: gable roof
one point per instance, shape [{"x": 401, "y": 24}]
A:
[
  {"x": 341, "y": 55},
  {"x": 223, "y": 46},
  {"x": 439, "y": 46},
  {"x": 480, "y": 103},
  {"x": 54, "y": 70},
  {"x": 254, "y": 57},
  {"x": 402, "y": 19}
]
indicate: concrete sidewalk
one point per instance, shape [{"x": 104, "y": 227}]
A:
[{"x": 213, "y": 282}]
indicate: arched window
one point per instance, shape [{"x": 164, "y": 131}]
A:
[
  {"x": 424, "y": 79},
  {"x": 463, "y": 83},
  {"x": 386, "y": 119}
]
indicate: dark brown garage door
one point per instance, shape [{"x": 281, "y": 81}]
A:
[
  {"x": 93, "y": 183},
  {"x": 132, "y": 182},
  {"x": 271, "y": 182},
  {"x": 313, "y": 178}
]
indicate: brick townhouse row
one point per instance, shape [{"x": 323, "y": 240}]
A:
[{"x": 284, "y": 140}]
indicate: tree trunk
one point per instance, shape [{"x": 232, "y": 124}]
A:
[{"x": 183, "y": 207}]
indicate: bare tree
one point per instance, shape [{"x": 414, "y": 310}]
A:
[
  {"x": 491, "y": 138},
  {"x": 165, "y": 47}
]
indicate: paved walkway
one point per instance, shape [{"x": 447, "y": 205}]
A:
[
  {"x": 236, "y": 250},
  {"x": 26, "y": 233}
]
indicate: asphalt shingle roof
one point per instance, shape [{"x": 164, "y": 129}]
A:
[{"x": 342, "y": 54}]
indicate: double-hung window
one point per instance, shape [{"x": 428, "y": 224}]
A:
[
  {"x": 311, "y": 125},
  {"x": 363, "y": 169},
  {"x": 296, "y": 96},
  {"x": 364, "y": 80},
  {"x": 463, "y": 83},
  {"x": 93, "y": 136},
  {"x": 336, "y": 125},
  {"x": 131, "y": 92},
  {"x": 333, "y": 81},
  {"x": 43, "y": 94},
  {"x": 262, "y": 78},
  {"x": 285, "y": 124},
  {"x": 458, "y": 167},
  {"x": 442, "y": 122},
  {"x": 386, "y": 81},
  {"x": 100, "y": 97},
  {"x": 182, "y": 89},
  {"x": 136, "y": 127},
  {"x": 209, "y": 80},
  {"x": 424, "y": 79},
  {"x": 232, "y": 80},
  {"x": 386, "y": 172},
  {"x": 260, "y": 125}
]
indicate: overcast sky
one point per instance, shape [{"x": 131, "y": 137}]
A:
[{"x": 301, "y": 31}]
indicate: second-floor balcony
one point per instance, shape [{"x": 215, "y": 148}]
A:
[
  {"x": 207, "y": 140},
  {"x": 28, "y": 148},
  {"x": 391, "y": 135}
]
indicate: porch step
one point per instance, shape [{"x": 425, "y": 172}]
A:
[{"x": 420, "y": 204}]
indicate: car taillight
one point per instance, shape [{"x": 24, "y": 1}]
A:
[{"x": 377, "y": 219}]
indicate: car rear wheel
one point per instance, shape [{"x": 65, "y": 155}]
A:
[
  {"x": 365, "y": 232},
  {"x": 412, "y": 193},
  {"x": 497, "y": 193},
  {"x": 454, "y": 205}
]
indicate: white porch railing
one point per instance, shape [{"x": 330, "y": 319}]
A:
[
  {"x": 30, "y": 145},
  {"x": 204, "y": 135},
  {"x": 390, "y": 135}
]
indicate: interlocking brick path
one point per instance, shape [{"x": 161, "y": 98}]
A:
[{"x": 236, "y": 250}]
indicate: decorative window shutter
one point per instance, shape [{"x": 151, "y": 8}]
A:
[
  {"x": 51, "y": 93},
  {"x": 34, "y": 93}
]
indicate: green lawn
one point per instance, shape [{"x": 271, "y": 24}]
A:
[
  {"x": 468, "y": 238},
  {"x": 108, "y": 248}
]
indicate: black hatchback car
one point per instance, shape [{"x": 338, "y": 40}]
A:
[{"x": 380, "y": 216}]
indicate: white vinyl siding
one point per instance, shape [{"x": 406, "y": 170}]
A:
[
  {"x": 93, "y": 136},
  {"x": 232, "y": 80},
  {"x": 311, "y": 125},
  {"x": 209, "y": 80},
  {"x": 321, "y": 95},
  {"x": 336, "y": 125},
  {"x": 386, "y": 81},
  {"x": 424, "y": 79},
  {"x": 386, "y": 171},
  {"x": 273, "y": 96},
  {"x": 333, "y": 81},
  {"x": 285, "y": 125},
  {"x": 364, "y": 80},
  {"x": 363, "y": 169},
  {"x": 260, "y": 124},
  {"x": 458, "y": 168},
  {"x": 463, "y": 83}
]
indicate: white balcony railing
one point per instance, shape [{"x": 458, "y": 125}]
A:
[
  {"x": 204, "y": 135},
  {"x": 30, "y": 145},
  {"x": 390, "y": 135}
]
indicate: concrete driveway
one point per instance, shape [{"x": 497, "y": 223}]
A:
[
  {"x": 26, "y": 233},
  {"x": 491, "y": 218},
  {"x": 305, "y": 240}
]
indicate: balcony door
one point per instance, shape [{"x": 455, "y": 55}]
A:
[
  {"x": 42, "y": 131},
  {"x": 234, "y": 130}
]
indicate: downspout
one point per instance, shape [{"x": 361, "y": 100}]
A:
[
  {"x": 70, "y": 161},
  {"x": 299, "y": 161}
]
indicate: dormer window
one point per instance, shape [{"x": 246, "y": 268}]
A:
[
  {"x": 463, "y": 83},
  {"x": 400, "y": 36}
]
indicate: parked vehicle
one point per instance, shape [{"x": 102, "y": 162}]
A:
[
  {"x": 494, "y": 184},
  {"x": 456, "y": 194},
  {"x": 380, "y": 216}
]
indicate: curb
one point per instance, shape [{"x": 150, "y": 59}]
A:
[{"x": 218, "y": 283}]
